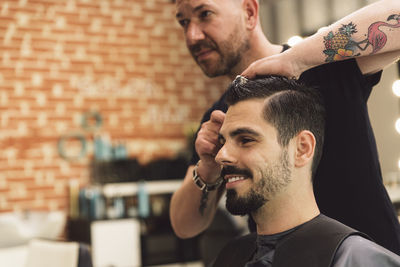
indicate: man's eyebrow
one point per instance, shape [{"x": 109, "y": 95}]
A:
[
  {"x": 179, "y": 14},
  {"x": 237, "y": 132},
  {"x": 199, "y": 7},
  {"x": 244, "y": 130}
]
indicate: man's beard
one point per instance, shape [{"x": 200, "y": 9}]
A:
[
  {"x": 229, "y": 53},
  {"x": 243, "y": 205},
  {"x": 273, "y": 179}
]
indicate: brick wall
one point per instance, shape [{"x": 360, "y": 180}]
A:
[{"x": 125, "y": 59}]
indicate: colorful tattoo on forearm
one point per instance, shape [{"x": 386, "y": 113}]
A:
[{"x": 340, "y": 45}]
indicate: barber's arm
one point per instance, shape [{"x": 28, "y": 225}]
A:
[
  {"x": 191, "y": 209},
  {"x": 371, "y": 34}
]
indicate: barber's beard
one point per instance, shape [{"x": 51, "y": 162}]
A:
[
  {"x": 274, "y": 179},
  {"x": 230, "y": 54}
]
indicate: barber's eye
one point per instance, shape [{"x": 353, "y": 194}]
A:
[
  {"x": 205, "y": 13},
  {"x": 183, "y": 22}
]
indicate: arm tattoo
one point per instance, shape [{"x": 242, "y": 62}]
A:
[
  {"x": 340, "y": 44},
  {"x": 203, "y": 201},
  {"x": 204, "y": 197}
]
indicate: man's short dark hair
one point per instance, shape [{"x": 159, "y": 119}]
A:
[{"x": 291, "y": 107}]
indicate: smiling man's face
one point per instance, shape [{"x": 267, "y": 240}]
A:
[{"x": 255, "y": 165}]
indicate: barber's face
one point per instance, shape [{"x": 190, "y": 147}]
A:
[
  {"x": 255, "y": 166},
  {"x": 214, "y": 32}
]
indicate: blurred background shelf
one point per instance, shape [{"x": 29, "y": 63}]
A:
[{"x": 131, "y": 188}]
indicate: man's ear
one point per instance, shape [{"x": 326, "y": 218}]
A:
[
  {"x": 250, "y": 8},
  {"x": 305, "y": 147}
]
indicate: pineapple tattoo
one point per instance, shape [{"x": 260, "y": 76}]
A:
[{"x": 340, "y": 45}]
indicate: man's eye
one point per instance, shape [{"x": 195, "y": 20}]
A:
[
  {"x": 205, "y": 13},
  {"x": 183, "y": 22},
  {"x": 221, "y": 141},
  {"x": 245, "y": 140}
]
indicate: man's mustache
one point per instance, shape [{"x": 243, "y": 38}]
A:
[
  {"x": 201, "y": 45},
  {"x": 235, "y": 170}
]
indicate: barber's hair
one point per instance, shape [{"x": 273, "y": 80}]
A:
[{"x": 291, "y": 107}]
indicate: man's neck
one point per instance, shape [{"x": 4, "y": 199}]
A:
[
  {"x": 260, "y": 47},
  {"x": 280, "y": 216}
]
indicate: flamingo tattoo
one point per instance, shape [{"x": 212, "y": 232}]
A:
[
  {"x": 340, "y": 45},
  {"x": 376, "y": 38}
]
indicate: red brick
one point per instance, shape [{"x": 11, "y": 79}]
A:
[{"x": 166, "y": 59}]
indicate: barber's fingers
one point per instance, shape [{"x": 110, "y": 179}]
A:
[
  {"x": 251, "y": 71},
  {"x": 206, "y": 148},
  {"x": 217, "y": 116},
  {"x": 280, "y": 64},
  {"x": 210, "y": 129},
  {"x": 207, "y": 142},
  {"x": 259, "y": 68}
]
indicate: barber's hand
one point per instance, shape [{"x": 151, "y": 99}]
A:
[
  {"x": 207, "y": 146},
  {"x": 280, "y": 64}
]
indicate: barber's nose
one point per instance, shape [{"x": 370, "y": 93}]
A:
[
  {"x": 194, "y": 33},
  {"x": 225, "y": 156}
]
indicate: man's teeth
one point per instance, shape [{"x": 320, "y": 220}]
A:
[{"x": 236, "y": 178}]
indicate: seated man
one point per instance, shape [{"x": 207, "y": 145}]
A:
[{"x": 271, "y": 142}]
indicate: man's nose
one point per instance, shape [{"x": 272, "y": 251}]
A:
[
  {"x": 224, "y": 156},
  {"x": 193, "y": 34}
]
